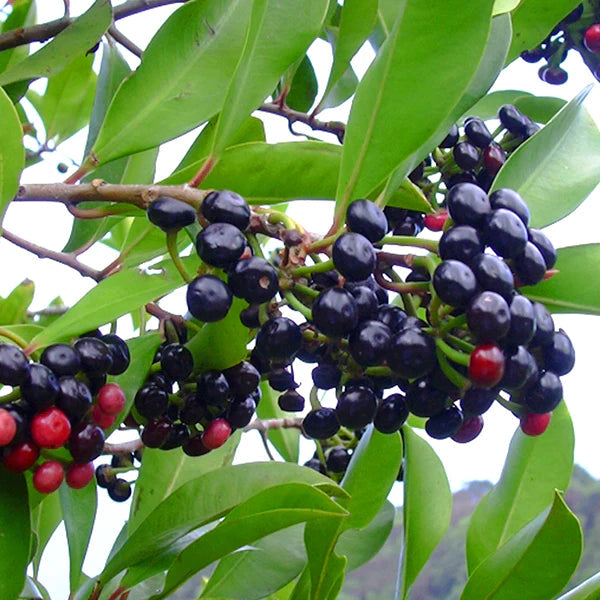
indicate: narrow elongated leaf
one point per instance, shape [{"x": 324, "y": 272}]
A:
[
  {"x": 427, "y": 506},
  {"x": 588, "y": 590},
  {"x": 15, "y": 533},
  {"x": 12, "y": 153},
  {"x": 265, "y": 58},
  {"x": 504, "y": 6},
  {"x": 45, "y": 518},
  {"x": 487, "y": 107},
  {"x": 534, "y": 468},
  {"x": 569, "y": 291},
  {"x": 382, "y": 132},
  {"x": 183, "y": 78},
  {"x": 70, "y": 43},
  {"x": 79, "y": 512},
  {"x": 545, "y": 554},
  {"x": 14, "y": 307},
  {"x": 22, "y": 14},
  {"x": 557, "y": 168},
  {"x": 303, "y": 87}
]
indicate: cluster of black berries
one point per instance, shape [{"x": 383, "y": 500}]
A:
[
  {"x": 62, "y": 400},
  {"x": 580, "y": 31},
  {"x": 107, "y": 476}
]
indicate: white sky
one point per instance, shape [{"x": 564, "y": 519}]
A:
[{"x": 49, "y": 226}]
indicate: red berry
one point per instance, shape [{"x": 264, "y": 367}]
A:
[
  {"x": 591, "y": 38},
  {"x": 102, "y": 419},
  {"x": 20, "y": 457},
  {"x": 436, "y": 222},
  {"x": 50, "y": 428},
  {"x": 78, "y": 476},
  {"x": 533, "y": 424},
  {"x": 48, "y": 477},
  {"x": 471, "y": 427},
  {"x": 493, "y": 158},
  {"x": 111, "y": 399},
  {"x": 486, "y": 366},
  {"x": 216, "y": 434},
  {"x": 8, "y": 427}
]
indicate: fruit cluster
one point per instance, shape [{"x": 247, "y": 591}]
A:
[{"x": 62, "y": 400}]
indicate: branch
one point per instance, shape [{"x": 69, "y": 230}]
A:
[
  {"x": 123, "y": 447},
  {"x": 125, "y": 41}
]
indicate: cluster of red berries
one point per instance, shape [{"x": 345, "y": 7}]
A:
[{"x": 62, "y": 400}]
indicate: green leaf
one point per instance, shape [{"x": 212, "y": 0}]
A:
[
  {"x": 23, "y": 14},
  {"x": 13, "y": 308},
  {"x": 286, "y": 441},
  {"x": 557, "y": 168},
  {"x": 265, "y": 57},
  {"x": 272, "y": 173},
  {"x": 183, "y": 78},
  {"x": 66, "y": 105},
  {"x": 534, "y": 468},
  {"x": 539, "y": 108},
  {"x": 12, "y": 153},
  {"x": 408, "y": 195},
  {"x": 270, "y": 510},
  {"x": 533, "y": 20},
  {"x": 16, "y": 533},
  {"x": 588, "y": 590},
  {"x": 487, "y": 107},
  {"x": 569, "y": 291},
  {"x": 45, "y": 518},
  {"x": 70, "y": 43},
  {"x": 427, "y": 506},
  {"x": 342, "y": 91},
  {"x": 25, "y": 331},
  {"x": 544, "y": 554},
  {"x": 79, "y": 512},
  {"x": 304, "y": 87},
  {"x": 382, "y": 132},
  {"x": 190, "y": 507},
  {"x": 113, "y": 297},
  {"x": 504, "y": 6}
]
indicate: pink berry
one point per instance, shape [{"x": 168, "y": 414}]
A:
[
  {"x": 8, "y": 427},
  {"x": 486, "y": 365},
  {"x": 534, "y": 424},
  {"x": 103, "y": 420},
  {"x": 111, "y": 399},
  {"x": 20, "y": 457},
  {"x": 216, "y": 434},
  {"x": 436, "y": 222},
  {"x": 471, "y": 427},
  {"x": 48, "y": 477},
  {"x": 591, "y": 38},
  {"x": 50, "y": 428},
  {"x": 79, "y": 475}
]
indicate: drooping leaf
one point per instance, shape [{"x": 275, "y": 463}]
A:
[
  {"x": 342, "y": 90},
  {"x": 544, "y": 553},
  {"x": 588, "y": 590},
  {"x": 557, "y": 168},
  {"x": 14, "y": 307},
  {"x": 70, "y": 43},
  {"x": 427, "y": 506},
  {"x": 45, "y": 518},
  {"x": 534, "y": 468},
  {"x": 304, "y": 87}
]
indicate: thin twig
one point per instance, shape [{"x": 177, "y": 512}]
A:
[
  {"x": 125, "y": 41},
  {"x": 123, "y": 447}
]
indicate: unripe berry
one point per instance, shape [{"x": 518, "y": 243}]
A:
[
  {"x": 79, "y": 475},
  {"x": 8, "y": 427},
  {"x": 111, "y": 399},
  {"x": 216, "y": 434},
  {"x": 50, "y": 428},
  {"x": 48, "y": 477},
  {"x": 533, "y": 424}
]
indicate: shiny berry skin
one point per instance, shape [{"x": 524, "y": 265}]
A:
[
  {"x": 574, "y": 15},
  {"x": 20, "y": 457},
  {"x": 511, "y": 200},
  {"x": 250, "y": 316},
  {"x": 591, "y": 38},
  {"x": 466, "y": 155},
  {"x": 216, "y": 434},
  {"x": 334, "y": 312},
  {"x": 553, "y": 75},
  {"x": 486, "y": 365},
  {"x": 512, "y": 119},
  {"x": 468, "y": 204},
  {"x": 291, "y": 401},
  {"x": 41, "y": 387},
  {"x": 220, "y": 245},
  {"x": 212, "y": 387},
  {"x": 505, "y": 233},
  {"x": 424, "y": 400},
  {"x": 454, "y": 282},
  {"x": 8, "y": 427},
  {"x": 100, "y": 418},
  {"x": 111, "y": 399},
  {"x": 195, "y": 447},
  {"x": 14, "y": 366},
  {"x": 176, "y": 362},
  {"x": 461, "y": 242},
  {"x": 544, "y": 326},
  {"x": 522, "y": 321},
  {"x": 445, "y": 424},
  {"x": 62, "y": 359},
  {"x": 533, "y": 56},
  {"x": 392, "y": 316},
  {"x": 119, "y": 352},
  {"x": 48, "y": 476},
  {"x": 321, "y": 423},
  {"x": 151, "y": 401},
  {"x": 356, "y": 407},
  {"x": 559, "y": 355},
  {"x": 226, "y": 207},
  {"x": 411, "y": 353},
  {"x": 279, "y": 339},
  {"x": 470, "y": 428},
  {"x": 86, "y": 442},
  {"x": 119, "y": 490},
  {"x": 533, "y": 424},
  {"x": 391, "y": 414},
  {"x": 436, "y": 222},
  {"x": 78, "y": 476},
  {"x": 316, "y": 465},
  {"x": 451, "y": 138},
  {"x": 477, "y": 132},
  {"x": 96, "y": 356},
  {"x": 74, "y": 398},
  {"x": 369, "y": 343},
  {"x": 494, "y": 158},
  {"x": 208, "y": 298},
  {"x": 488, "y": 317},
  {"x": 253, "y": 279},
  {"x": 156, "y": 432},
  {"x": 520, "y": 371},
  {"x": 366, "y": 302},
  {"x": 545, "y": 395},
  {"x": 21, "y": 416},
  {"x": 529, "y": 265},
  {"x": 50, "y": 428},
  {"x": 494, "y": 275},
  {"x": 104, "y": 475},
  {"x": 170, "y": 214},
  {"x": 177, "y": 437},
  {"x": 541, "y": 241},
  {"x": 242, "y": 378},
  {"x": 476, "y": 401},
  {"x": 366, "y": 218},
  {"x": 241, "y": 412},
  {"x": 354, "y": 256},
  {"x": 326, "y": 376},
  {"x": 337, "y": 460},
  {"x": 411, "y": 224},
  {"x": 281, "y": 380}
]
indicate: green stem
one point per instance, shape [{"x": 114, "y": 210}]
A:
[
  {"x": 426, "y": 262},
  {"x": 454, "y": 323},
  {"x": 13, "y": 395},
  {"x": 309, "y": 269},
  {"x": 434, "y": 307},
  {"x": 314, "y": 399},
  {"x": 450, "y": 372},
  {"x": 13, "y": 337},
  {"x": 255, "y": 245},
  {"x": 263, "y": 313},
  {"x": 297, "y": 305},
  {"x": 461, "y": 344},
  {"x": 326, "y": 241},
  {"x": 409, "y": 240},
  {"x": 174, "y": 254},
  {"x": 304, "y": 289},
  {"x": 320, "y": 452},
  {"x": 516, "y": 409},
  {"x": 454, "y": 355},
  {"x": 276, "y": 216}
]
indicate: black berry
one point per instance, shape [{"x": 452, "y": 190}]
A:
[
  {"x": 208, "y": 298},
  {"x": 170, "y": 214}
]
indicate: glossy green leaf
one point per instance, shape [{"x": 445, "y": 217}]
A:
[
  {"x": 557, "y": 168},
  {"x": 539, "y": 108},
  {"x": 79, "y": 512},
  {"x": 70, "y": 43},
  {"x": 270, "y": 510},
  {"x": 189, "y": 507},
  {"x": 427, "y": 506},
  {"x": 342, "y": 90},
  {"x": 272, "y": 173},
  {"x": 111, "y": 298},
  {"x": 25, "y": 331},
  {"x": 16, "y": 533},
  {"x": 408, "y": 195},
  {"x": 544, "y": 554},
  {"x": 487, "y": 107},
  {"x": 569, "y": 291},
  {"x": 286, "y": 441},
  {"x": 183, "y": 78},
  {"x": 45, "y": 518},
  {"x": 588, "y": 590},
  {"x": 534, "y": 468},
  {"x": 382, "y": 132},
  {"x": 33, "y": 590},
  {"x": 12, "y": 153},
  {"x": 13, "y": 308},
  {"x": 504, "y": 6},
  {"x": 23, "y": 14},
  {"x": 533, "y": 20},
  {"x": 304, "y": 87},
  {"x": 265, "y": 58}
]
